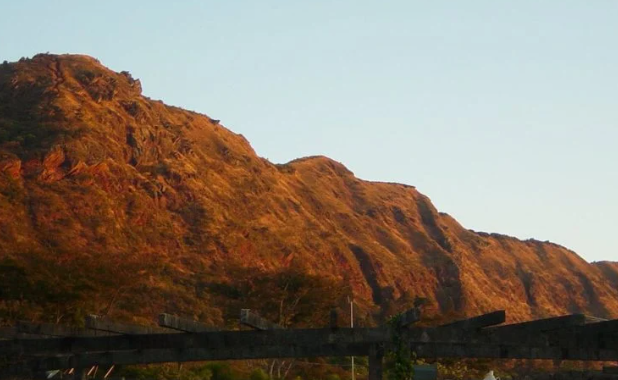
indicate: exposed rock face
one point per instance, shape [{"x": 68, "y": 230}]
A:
[
  {"x": 11, "y": 167},
  {"x": 90, "y": 168}
]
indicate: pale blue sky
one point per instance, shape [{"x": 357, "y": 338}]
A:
[{"x": 505, "y": 113}]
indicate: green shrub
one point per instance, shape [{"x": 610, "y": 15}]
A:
[
  {"x": 259, "y": 374},
  {"x": 221, "y": 371},
  {"x": 399, "y": 359},
  {"x": 332, "y": 376}
]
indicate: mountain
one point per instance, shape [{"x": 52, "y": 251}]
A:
[{"x": 114, "y": 203}]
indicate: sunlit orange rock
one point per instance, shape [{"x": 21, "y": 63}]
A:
[{"x": 111, "y": 175}]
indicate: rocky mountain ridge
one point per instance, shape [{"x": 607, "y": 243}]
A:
[{"x": 136, "y": 203}]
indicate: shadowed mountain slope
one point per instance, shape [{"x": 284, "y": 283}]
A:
[{"x": 108, "y": 193}]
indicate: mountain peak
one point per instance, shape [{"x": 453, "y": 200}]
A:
[{"x": 64, "y": 80}]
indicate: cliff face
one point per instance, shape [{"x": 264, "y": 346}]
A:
[{"x": 106, "y": 190}]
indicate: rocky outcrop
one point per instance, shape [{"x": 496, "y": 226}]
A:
[{"x": 11, "y": 167}]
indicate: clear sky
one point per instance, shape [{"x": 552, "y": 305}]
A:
[{"x": 505, "y": 113}]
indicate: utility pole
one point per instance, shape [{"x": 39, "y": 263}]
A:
[{"x": 351, "y": 301}]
